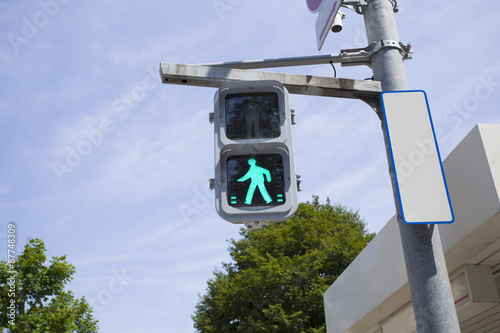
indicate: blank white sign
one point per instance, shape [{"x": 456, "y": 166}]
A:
[{"x": 423, "y": 194}]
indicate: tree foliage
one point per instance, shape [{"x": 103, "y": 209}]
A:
[
  {"x": 279, "y": 274},
  {"x": 41, "y": 304}
]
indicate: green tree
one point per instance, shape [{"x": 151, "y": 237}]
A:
[
  {"x": 279, "y": 274},
  {"x": 41, "y": 304}
]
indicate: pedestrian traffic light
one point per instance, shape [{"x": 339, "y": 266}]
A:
[{"x": 254, "y": 169}]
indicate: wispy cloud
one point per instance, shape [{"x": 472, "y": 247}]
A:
[{"x": 105, "y": 260}]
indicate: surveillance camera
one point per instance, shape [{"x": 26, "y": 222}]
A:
[{"x": 337, "y": 22}]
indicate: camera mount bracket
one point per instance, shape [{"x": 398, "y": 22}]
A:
[{"x": 359, "y": 5}]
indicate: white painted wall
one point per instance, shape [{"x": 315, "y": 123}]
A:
[{"x": 375, "y": 285}]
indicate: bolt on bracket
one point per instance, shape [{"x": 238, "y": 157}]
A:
[{"x": 256, "y": 224}]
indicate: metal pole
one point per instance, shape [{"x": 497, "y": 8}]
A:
[
  {"x": 281, "y": 62},
  {"x": 425, "y": 263}
]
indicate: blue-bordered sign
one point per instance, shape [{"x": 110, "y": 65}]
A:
[{"x": 416, "y": 162}]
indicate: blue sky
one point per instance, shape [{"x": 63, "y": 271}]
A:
[{"x": 111, "y": 167}]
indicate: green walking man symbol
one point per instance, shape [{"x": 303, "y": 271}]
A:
[{"x": 256, "y": 174}]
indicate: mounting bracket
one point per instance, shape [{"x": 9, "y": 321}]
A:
[
  {"x": 362, "y": 56},
  {"x": 359, "y": 5}
]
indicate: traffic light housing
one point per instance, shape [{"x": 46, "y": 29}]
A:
[{"x": 254, "y": 168}]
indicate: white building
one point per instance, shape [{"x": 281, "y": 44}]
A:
[{"x": 372, "y": 294}]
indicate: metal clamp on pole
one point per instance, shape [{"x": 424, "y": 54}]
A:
[
  {"x": 359, "y": 5},
  {"x": 362, "y": 56}
]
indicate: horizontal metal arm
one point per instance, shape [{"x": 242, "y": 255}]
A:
[
  {"x": 280, "y": 62},
  {"x": 209, "y": 76},
  {"x": 347, "y": 57}
]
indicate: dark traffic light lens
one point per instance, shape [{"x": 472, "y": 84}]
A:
[{"x": 252, "y": 116}]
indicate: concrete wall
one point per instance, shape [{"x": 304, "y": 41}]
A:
[{"x": 375, "y": 285}]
